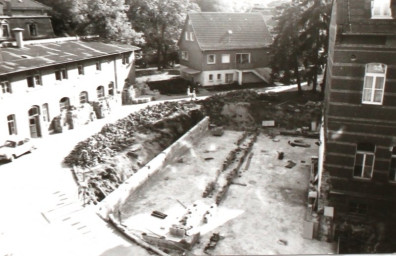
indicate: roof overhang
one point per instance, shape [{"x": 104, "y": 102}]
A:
[{"x": 190, "y": 71}]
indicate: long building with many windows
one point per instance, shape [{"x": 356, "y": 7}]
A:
[{"x": 43, "y": 80}]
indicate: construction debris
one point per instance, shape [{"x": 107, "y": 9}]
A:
[
  {"x": 290, "y": 164},
  {"x": 159, "y": 214},
  {"x": 299, "y": 143}
]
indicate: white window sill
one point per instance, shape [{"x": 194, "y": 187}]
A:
[
  {"x": 382, "y": 18},
  {"x": 211, "y": 63},
  {"x": 362, "y": 179},
  {"x": 372, "y": 103}
]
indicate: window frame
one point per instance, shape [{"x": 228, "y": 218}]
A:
[
  {"x": 64, "y": 105},
  {"x": 191, "y": 36},
  {"x": 225, "y": 55},
  {"x": 98, "y": 65},
  {"x": 363, "y": 164},
  {"x": 80, "y": 69},
  {"x": 219, "y": 77},
  {"x": 184, "y": 55},
  {"x": 34, "y": 80},
  {"x": 35, "y": 29},
  {"x": 383, "y": 7},
  {"x": 61, "y": 74},
  {"x": 125, "y": 58},
  {"x": 12, "y": 127},
  {"x": 392, "y": 169},
  {"x": 210, "y": 78},
  {"x": 211, "y": 62},
  {"x": 241, "y": 54},
  {"x": 4, "y": 24},
  {"x": 373, "y": 88},
  {"x": 5, "y": 87},
  {"x": 84, "y": 95},
  {"x": 100, "y": 92},
  {"x": 45, "y": 112}
]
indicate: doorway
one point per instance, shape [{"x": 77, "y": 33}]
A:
[{"x": 34, "y": 122}]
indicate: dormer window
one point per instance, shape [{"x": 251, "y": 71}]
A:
[
  {"x": 33, "y": 29},
  {"x": 381, "y": 9},
  {"x": 4, "y": 29}
]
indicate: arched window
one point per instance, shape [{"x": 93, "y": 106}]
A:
[
  {"x": 111, "y": 88},
  {"x": 374, "y": 83},
  {"x": 84, "y": 97},
  {"x": 34, "y": 111},
  {"x": 11, "y": 125},
  {"x": 64, "y": 103},
  {"x": 33, "y": 29},
  {"x": 4, "y": 29},
  {"x": 100, "y": 92}
]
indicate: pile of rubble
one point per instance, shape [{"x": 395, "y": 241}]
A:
[
  {"x": 246, "y": 109},
  {"x": 108, "y": 158}
]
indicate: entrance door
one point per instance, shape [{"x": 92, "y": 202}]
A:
[
  {"x": 34, "y": 122},
  {"x": 229, "y": 78}
]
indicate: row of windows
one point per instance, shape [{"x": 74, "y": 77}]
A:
[
  {"x": 5, "y": 29},
  {"x": 64, "y": 104},
  {"x": 364, "y": 162},
  {"x": 240, "y": 58},
  {"x": 60, "y": 74},
  {"x": 229, "y": 78}
]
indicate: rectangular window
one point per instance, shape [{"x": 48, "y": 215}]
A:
[
  {"x": 61, "y": 74},
  {"x": 381, "y": 9},
  {"x": 218, "y": 76},
  {"x": 191, "y": 36},
  {"x": 33, "y": 81},
  {"x": 364, "y": 161},
  {"x": 242, "y": 58},
  {"x": 4, "y": 31},
  {"x": 225, "y": 58},
  {"x": 80, "y": 69},
  {"x": 392, "y": 171},
  {"x": 186, "y": 37},
  {"x": 11, "y": 125},
  {"x": 125, "y": 59},
  {"x": 184, "y": 55},
  {"x": 374, "y": 83},
  {"x": 98, "y": 65},
  {"x": 45, "y": 112},
  {"x": 357, "y": 208},
  {"x": 211, "y": 59},
  {"x": 210, "y": 77},
  {"x": 5, "y": 87}
]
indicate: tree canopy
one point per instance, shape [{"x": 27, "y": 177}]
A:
[
  {"x": 302, "y": 41},
  {"x": 161, "y": 22},
  {"x": 105, "y": 18},
  {"x": 224, "y": 5}
]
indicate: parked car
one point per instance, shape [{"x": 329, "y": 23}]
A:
[{"x": 15, "y": 147}]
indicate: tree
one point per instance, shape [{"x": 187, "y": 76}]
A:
[
  {"x": 224, "y": 5},
  {"x": 315, "y": 20},
  {"x": 302, "y": 40},
  {"x": 286, "y": 56},
  {"x": 105, "y": 18},
  {"x": 161, "y": 21}
]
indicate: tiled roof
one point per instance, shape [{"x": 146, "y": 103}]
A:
[
  {"x": 49, "y": 54},
  {"x": 217, "y": 31},
  {"x": 27, "y": 4}
]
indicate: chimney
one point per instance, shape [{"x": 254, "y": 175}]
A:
[{"x": 18, "y": 36}]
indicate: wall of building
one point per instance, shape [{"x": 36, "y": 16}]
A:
[
  {"x": 52, "y": 91},
  {"x": 43, "y": 24},
  {"x": 348, "y": 121}
]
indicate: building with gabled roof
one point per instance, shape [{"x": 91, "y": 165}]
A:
[
  {"x": 49, "y": 85},
  {"x": 223, "y": 48},
  {"x": 29, "y": 15}
]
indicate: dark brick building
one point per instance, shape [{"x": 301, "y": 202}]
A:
[
  {"x": 359, "y": 163},
  {"x": 29, "y": 15}
]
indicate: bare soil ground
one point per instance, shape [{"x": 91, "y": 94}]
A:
[{"x": 264, "y": 217}]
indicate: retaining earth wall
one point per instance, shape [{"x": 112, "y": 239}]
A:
[{"x": 117, "y": 198}]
